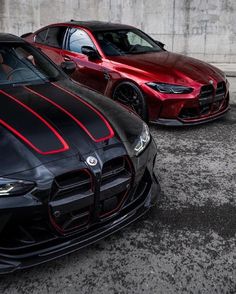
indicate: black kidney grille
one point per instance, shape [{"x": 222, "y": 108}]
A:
[
  {"x": 210, "y": 100},
  {"x": 115, "y": 184},
  {"x": 71, "y": 183},
  {"x": 219, "y": 96},
  {"x": 73, "y": 199},
  {"x": 206, "y": 95}
]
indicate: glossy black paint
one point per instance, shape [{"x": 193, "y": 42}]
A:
[
  {"x": 99, "y": 25},
  {"x": 35, "y": 211}
]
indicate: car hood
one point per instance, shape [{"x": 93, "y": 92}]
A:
[
  {"x": 52, "y": 121},
  {"x": 170, "y": 67}
]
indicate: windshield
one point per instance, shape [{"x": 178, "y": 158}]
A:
[
  {"x": 123, "y": 42},
  {"x": 21, "y": 64}
]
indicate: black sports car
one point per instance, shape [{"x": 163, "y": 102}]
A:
[{"x": 75, "y": 166}]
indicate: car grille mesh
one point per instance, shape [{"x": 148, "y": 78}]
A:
[
  {"x": 25, "y": 237},
  {"x": 116, "y": 181},
  {"x": 71, "y": 183},
  {"x": 210, "y": 100},
  {"x": 78, "y": 188}
]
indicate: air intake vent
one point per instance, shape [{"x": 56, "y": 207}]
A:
[
  {"x": 75, "y": 202},
  {"x": 72, "y": 200},
  {"x": 71, "y": 183},
  {"x": 220, "y": 92}
]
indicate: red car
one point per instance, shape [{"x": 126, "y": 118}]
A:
[{"x": 127, "y": 65}]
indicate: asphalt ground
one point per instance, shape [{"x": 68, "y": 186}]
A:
[{"x": 185, "y": 245}]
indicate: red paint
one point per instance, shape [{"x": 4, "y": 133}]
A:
[{"x": 24, "y": 139}]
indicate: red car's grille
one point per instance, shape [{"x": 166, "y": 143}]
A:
[
  {"x": 79, "y": 198},
  {"x": 206, "y": 99},
  {"x": 219, "y": 96},
  {"x": 210, "y": 100}
]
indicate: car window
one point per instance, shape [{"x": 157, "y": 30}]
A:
[
  {"x": 41, "y": 36},
  {"x": 24, "y": 65},
  {"x": 78, "y": 38},
  {"x": 52, "y": 36},
  {"x": 123, "y": 42},
  {"x": 134, "y": 39}
]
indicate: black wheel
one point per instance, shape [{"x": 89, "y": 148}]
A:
[{"x": 130, "y": 95}]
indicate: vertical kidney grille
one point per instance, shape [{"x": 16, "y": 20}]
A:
[
  {"x": 115, "y": 185},
  {"x": 72, "y": 203},
  {"x": 210, "y": 101},
  {"x": 206, "y": 99},
  {"x": 72, "y": 200}
]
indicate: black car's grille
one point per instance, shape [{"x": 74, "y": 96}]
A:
[
  {"x": 21, "y": 237},
  {"x": 77, "y": 198},
  {"x": 116, "y": 181},
  {"x": 210, "y": 100},
  {"x": 72, "y": 199},
  {"x": 76, "y": 182}
]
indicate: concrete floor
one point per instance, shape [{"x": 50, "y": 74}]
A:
[{"x": 186, "y": 245}]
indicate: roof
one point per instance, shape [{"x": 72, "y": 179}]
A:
[
  {"x": 98, "y": 25},
  {"x": 9, "y": 38}
]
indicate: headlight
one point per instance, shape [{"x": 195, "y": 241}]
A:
[
  {"x": 10, "y": 187},
  {"x": 143, "y": 140},
  {"x": 170, "y": 89}
]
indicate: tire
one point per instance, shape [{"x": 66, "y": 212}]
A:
[{"x": 130, "y": 95}]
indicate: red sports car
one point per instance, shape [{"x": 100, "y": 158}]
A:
[{"x": 127, "y": 65}]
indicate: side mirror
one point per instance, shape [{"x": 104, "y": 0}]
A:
[
  {"x": 90, "y": 52},
  {"x": 160, "y": 44},
  {"x": 68, "y": 67}
]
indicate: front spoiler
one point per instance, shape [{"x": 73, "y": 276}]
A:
[
  {"x": 178, "y": 123},
  {"x": 9, "y": 264}
]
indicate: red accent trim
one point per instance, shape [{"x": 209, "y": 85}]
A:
[
  {"x": 96, "y": 111},
  {"x": 68, "y": 113},
  {"x": 63, "y": 142}
]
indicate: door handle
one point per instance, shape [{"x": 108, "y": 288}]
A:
[
  {"x": 66, "y": 58},
  {"x": 106, "y": 75}
]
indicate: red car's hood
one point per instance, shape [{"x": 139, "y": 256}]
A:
[{"x": 170, "y": 67}]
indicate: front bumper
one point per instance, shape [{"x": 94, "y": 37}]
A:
[
  {"x": 204, "y": 104},
  {"x": 45, "y": 243},
  {"x": 193, "y": 122}
]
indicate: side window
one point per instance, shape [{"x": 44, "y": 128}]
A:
[
  {"x": 134, "y": 39},
  {"x": 41, "y": 36},
  {"x": 52, "y": 36},
  {"x": 78, "y": 38},
  {"x": 55, "y": 36}
]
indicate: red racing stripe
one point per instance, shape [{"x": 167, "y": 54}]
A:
[
  {"x": 68, "y": 113},
  {"x": 64, "y": 147},
  {"x": 111, "y": 132}
]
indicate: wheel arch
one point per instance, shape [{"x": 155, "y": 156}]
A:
[{"x": 128, "y": 80}]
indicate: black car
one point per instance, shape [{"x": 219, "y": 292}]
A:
[{"x": 75, "y": 166}]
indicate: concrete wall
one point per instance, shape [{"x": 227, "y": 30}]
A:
[{"x": 205, "y": 29}]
